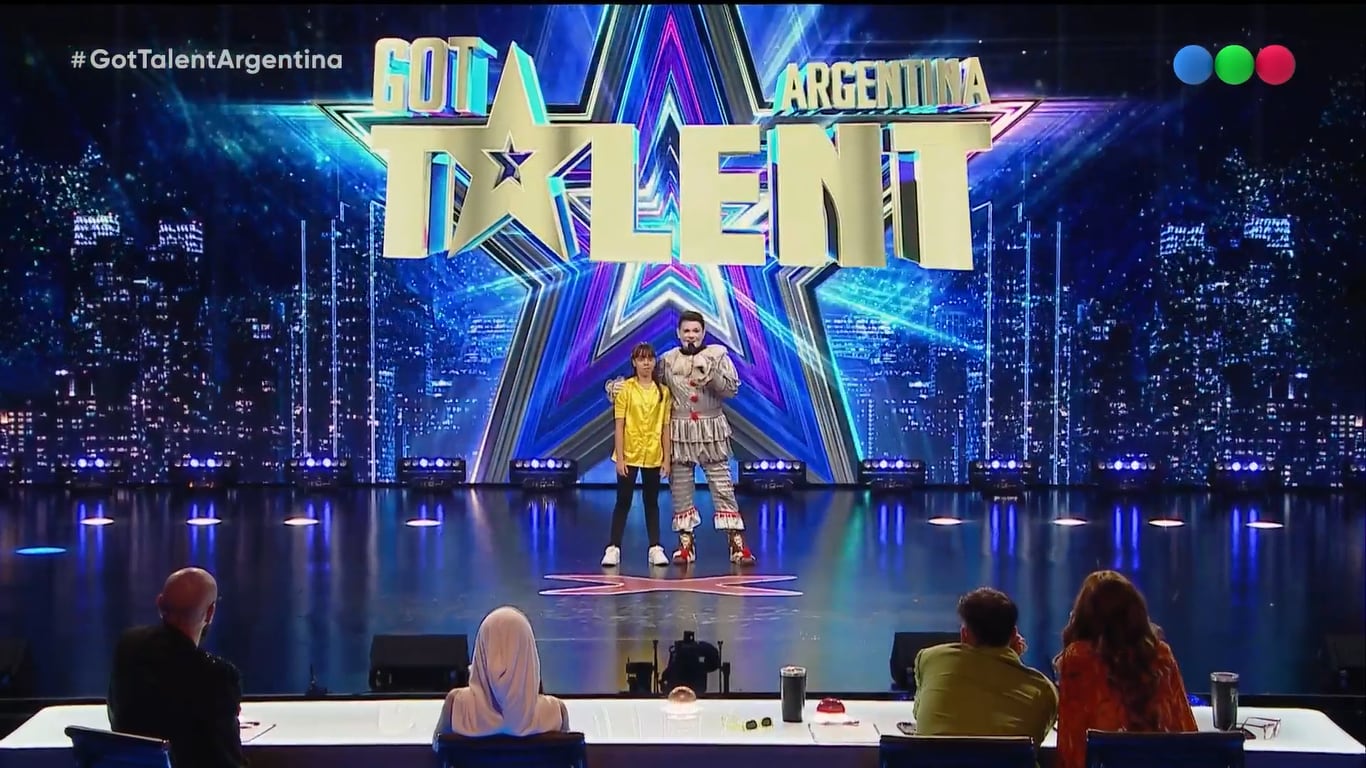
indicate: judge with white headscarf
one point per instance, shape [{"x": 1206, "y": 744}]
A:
[{"x": 504, "y": 696}]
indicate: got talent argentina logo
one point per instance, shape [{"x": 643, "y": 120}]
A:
[{"x": 515, "y": 154}]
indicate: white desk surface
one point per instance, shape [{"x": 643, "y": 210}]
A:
[{"x": 625, "y": 721}]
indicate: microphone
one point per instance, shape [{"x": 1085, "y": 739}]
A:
[{"x": 314, "y": 691}]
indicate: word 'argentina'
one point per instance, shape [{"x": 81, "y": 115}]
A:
[{"x": 899, "y": 84}]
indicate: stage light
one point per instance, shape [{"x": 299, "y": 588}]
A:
[
  {"x": 97, "y": 519},
  {"x": 1127, "y": 474},
  {"x": 426, "y": 518},
  {"x": 541, "y": 474},
  {"x": 431, "y": 473},
  {"x": 319, "y": 472},
  {"x": 1001, "y": 478},
  {"x": 771, "y": 475},
  {"x": 892, "y": 473},
  {"x": 309, "y": 515},
  {"x": 203, "y": 519},
  {"x": 1068, "y": 522},
  {"x": 39, "y": 551},
  {"x": 944, "y": 521},
  {"x": 204, "y": 472},
  {"x": 92, "y": 473},
  {"x": 1244, "y": 476},
  {"x": 1256, "y": 519},
  {"x": 1166, "y": 522}
]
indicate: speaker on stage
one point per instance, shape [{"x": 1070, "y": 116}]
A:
[
  {"x": 419, "y": 663},
  {"x": 905, "y": 646},
  {"x": 16, "y": 669}
]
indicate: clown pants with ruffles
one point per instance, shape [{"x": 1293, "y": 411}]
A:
[{"x": 709, "y": 448}]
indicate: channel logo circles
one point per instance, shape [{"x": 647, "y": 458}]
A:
[{"x": 1234, "y": 64}]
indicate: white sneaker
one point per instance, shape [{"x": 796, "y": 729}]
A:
[
  {"x": 657, "y": 556},
  {"x": 611, "y": 557}
]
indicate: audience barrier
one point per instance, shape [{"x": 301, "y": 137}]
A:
[{"x": 624, "y": 732}]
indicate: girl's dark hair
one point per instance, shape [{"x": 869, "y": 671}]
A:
[
  {"x": 642, "y": 351},
  {"x": 1112, "y": 615}
]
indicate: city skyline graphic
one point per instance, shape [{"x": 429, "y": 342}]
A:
[{"x": 1147, "y": 283}]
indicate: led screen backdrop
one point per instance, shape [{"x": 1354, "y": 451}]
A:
[{"x": 193, "y": 266}]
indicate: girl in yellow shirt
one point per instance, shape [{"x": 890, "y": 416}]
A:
[{"x": 641, "y": 446}]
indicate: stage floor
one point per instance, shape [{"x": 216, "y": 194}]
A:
[{"x": 1230, "y": 597}]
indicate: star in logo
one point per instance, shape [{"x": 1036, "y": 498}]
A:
[
  {"x": 536, "y": 201},
  {"x": 509, "y": 162},
  {"x": 728, "y": 586}
]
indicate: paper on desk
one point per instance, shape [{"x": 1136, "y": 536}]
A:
[
  {"x": 252, "y": 730},
  {"x": 849, "y": 733}
]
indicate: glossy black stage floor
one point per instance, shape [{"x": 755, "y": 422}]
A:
[{"x": 1256, "y": 600}]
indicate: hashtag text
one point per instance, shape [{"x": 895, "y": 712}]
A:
[{"x": 224, "y": 59}]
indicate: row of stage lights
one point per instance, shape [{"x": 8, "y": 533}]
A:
[
  {"x": 994, "y": 477},
  {"x": 434, "y": 516},
  {"x": 1167, "y": 521},
  {"x": 200, "y": 519}
]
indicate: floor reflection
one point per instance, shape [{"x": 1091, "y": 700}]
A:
[{"x": 308, "y": 579}]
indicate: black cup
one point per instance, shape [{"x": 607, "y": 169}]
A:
[
  {"x": 1224, "y": 699},
  {"x": 792, "y": 689}
]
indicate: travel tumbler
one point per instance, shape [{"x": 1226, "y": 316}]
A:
[
  {"x": 792, "y": 688},
  {"x": 1224, "y": 699}
]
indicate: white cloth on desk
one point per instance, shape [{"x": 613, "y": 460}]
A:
[{"x": 1306, "y": 737}]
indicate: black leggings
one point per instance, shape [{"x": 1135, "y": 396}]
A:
[{"x": 626, "y": 486}]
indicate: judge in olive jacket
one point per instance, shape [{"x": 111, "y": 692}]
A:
[
  {"x": 979, "y": 687},
  {"x": 165, "y": 686}
]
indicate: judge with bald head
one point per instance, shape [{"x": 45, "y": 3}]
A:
[{"x": 165, "y": 686}]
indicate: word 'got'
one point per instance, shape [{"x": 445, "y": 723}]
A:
[{"x": 515, "y": 154}]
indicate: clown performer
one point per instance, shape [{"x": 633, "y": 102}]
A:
[{"x": 699, "y": 377}]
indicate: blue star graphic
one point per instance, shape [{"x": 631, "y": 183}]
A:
[
  {"x": 659, "y": 68},
  {"x": 509, "y": 162}
]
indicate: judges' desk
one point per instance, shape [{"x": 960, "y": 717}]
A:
[{"x": 621, "y": 733}]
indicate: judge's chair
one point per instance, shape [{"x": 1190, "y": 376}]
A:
[
  {"x": 546, "y": 750},
  {"x": 105, "y": 749},
  {"x": 1205, "y": 749},
  {"x": 956, "y": 752}
]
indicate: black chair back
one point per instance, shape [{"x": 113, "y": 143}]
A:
[
  {"x": 1206, "y": 749},
  {"x": 546, "y": 750},
  {"x": 106, "y": 749},
  {"x": 956, "y": 752}
]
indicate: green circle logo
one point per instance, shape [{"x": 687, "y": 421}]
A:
[{"x": 1233, "y": 64}]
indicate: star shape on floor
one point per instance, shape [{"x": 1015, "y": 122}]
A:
[{"x": 729, "y": 586}]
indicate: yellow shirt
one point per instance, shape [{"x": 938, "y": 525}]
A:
[{"x": 645, "y": 413}]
